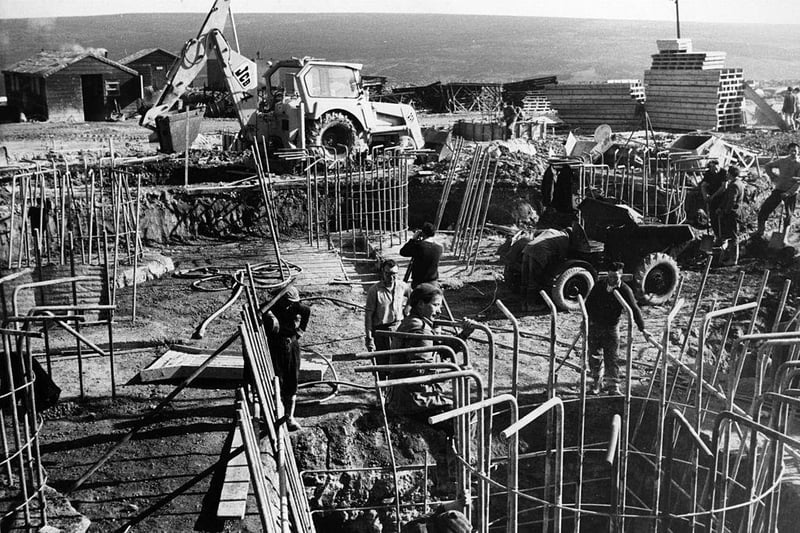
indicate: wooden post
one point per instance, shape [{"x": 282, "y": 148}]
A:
[{"x": 186, "y": 158}]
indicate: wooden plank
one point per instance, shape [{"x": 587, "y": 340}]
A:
[
  {"x": 174, "y": 365},
  {"x": 233, "y": 497}
]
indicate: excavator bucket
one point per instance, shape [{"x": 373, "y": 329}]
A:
[
  {"x": 440, "y": 142},
  {"x": 177, "y": 131}
]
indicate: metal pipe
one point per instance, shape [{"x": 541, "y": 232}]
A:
[
  {"x": 512, "y": 445},
  {"x": 626, "y": 409},
  {"x": 462, "y": 346},
  {"x": 551, "y": 381},
  {"x": 613, "y": 440},
  {"x": 662, "y": 405},
  {"x": 582, "y": 412},
  {"x": 754, "y": 426},
  {"x": 488, "y": 417},
  {"x": 556, "y": 404},
  {"x": 672, "y": 416},
  {"x": 514, "y": 354},
  {"x": 483, "y": 219},
  {"x": 464, "y": 491}
]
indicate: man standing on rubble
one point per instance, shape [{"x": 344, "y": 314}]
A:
[
  {"x": 712, "y": 188},
  {"x": 604, "y": 312},
  {"x": 785, "y": 175},
  {"x": 511, "y": 114},
  {"x": 424, "y": 254},
  {"x": 729, "y": 213},
  {"x": 386, "y": 301},
  {"x": 285, "y": 323}
]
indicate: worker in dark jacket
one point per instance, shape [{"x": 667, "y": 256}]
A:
[
  {"x": 712, "y": 188},
  {"x": 604, "y": 312},
  {"x": 285, "y": 323},
  {"x": 424, "y": 254},
  {"x": 729, "y": 217}
]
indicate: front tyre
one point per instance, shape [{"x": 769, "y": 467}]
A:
[{"x": 568, "y": 285}]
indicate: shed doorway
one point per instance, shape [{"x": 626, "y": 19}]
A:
[{"x": 93, "y": 97}]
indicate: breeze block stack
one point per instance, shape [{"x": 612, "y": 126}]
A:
[
  {"x": 689, "y": 90},
  {"x": 587, "y": 105}
]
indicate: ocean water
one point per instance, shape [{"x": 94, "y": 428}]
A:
[{"x": 422, "y": 49}]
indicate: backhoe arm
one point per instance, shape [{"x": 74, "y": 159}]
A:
[{"x": 192, "y": 60}]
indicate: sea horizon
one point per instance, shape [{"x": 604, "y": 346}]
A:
[{"x": 418, "y": 49}]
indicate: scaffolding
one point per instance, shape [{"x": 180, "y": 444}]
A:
[{"x": 355, "y": 198}]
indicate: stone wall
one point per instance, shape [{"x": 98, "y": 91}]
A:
[{"x": 176, "y": 214}]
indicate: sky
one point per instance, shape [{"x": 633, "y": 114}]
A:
[{"x": 728, "y": 11}]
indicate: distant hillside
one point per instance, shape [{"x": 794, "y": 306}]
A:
[{"x": 421, "y": 49}]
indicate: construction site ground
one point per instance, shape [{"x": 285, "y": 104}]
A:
[{"x": 168, "y": 477}]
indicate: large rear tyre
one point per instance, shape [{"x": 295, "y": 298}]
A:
[
  {"x": 335, "y": 131},
  {"x": 568, "y": 285},
  {"x": 656, "y": 278}
]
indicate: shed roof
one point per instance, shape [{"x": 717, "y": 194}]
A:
[
  {"x": 46, "y": 63},
  {"x": 143, "y": 53}
]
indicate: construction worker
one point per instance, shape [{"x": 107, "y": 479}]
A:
[
  {"x": 604, "y": 312},
  {"x": 712, "y": 188},
  {"x": 728, "y": 214},
  {"x": 785, "y": 175},
  {"x": 386, "y": 302},
  {"x": 511, "y": 114},
  {"x": 425, "y": 302},
  {"x": 425, "y": 254},
  {"x": 285, "y": 323},
  {"x": 787, "y": 109}
]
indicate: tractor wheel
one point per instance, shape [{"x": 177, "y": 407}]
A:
[
  {"x": 568, "y": 285},
  {"x": 656, "y": 278},
  {"x": 335, "y": 131}
]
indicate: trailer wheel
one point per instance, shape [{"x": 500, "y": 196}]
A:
[
  {"x": 568, "y": 285},
  {"x": 656, "y": 278},
  {"x": 334, "y": 130}
]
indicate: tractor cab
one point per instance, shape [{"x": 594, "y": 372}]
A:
[{"x": 312, "y": 102}]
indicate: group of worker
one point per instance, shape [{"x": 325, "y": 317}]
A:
[
  {"x": 790, "y": 110},
  {"x": 394, "y": 306},
  {"x": 723, "y": 194}
]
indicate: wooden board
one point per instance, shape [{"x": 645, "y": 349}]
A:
[
  {"x": 175, "y": 364},
  {"x": 233, "y": 498}
]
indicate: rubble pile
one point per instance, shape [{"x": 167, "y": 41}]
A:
[{"x": 520, "y": 163}]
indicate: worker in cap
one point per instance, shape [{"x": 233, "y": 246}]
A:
[{"x": 285, "y": 322}]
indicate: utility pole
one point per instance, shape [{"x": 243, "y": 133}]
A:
[{"x": 677, "y": 19}]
